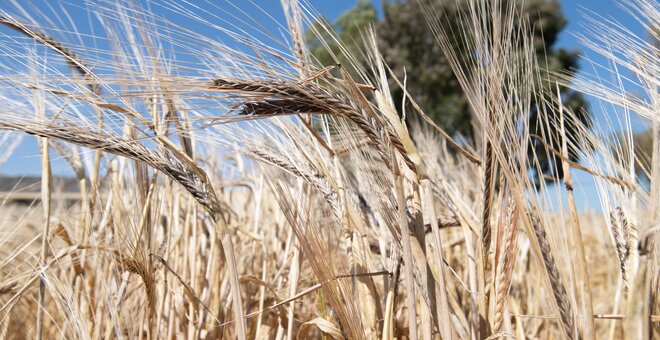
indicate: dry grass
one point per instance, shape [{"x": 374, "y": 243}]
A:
[{"x": 227, "y": 194}]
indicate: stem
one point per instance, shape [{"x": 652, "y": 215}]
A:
[
  {"x": 45, "y": 203},
  {"x": 580, "y": 272},
  {"x": 407, "y": 255}
]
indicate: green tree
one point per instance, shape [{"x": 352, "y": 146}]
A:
[
  {"x": 349, "y": 27},
  {"x": 408, "y": 45}
]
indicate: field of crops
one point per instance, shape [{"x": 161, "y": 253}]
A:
[{"x": 228, "y": 186}]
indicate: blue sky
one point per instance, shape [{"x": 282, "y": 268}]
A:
[{"x": 25, "y": 160}]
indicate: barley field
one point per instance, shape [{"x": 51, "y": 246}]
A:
[{"x": 229, "y": 186}]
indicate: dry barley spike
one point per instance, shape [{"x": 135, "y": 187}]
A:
[
  {"x": 620, "y": 227},
  {"x": 165, "y": 162},
  {"x": 505, "y": 268},
  {"x": 70, "y": 57},
  {"x": 277, "y": 107},
  {"x": 276, "y": 97},
  {"x": 316, "y": 180},
  {"x": 558, "y": 290}
]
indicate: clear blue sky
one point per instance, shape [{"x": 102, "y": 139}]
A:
[{"x": 25, "y": 160}]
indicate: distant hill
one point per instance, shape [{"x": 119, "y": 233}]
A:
[
  {"x": 33, "y": 184},
  {"x": 25, "y": 190}
]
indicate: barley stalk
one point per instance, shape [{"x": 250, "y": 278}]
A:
[{"x": 580, "y": 271}]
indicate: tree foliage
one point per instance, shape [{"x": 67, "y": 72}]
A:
[{"x": 410, "y": 49}]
